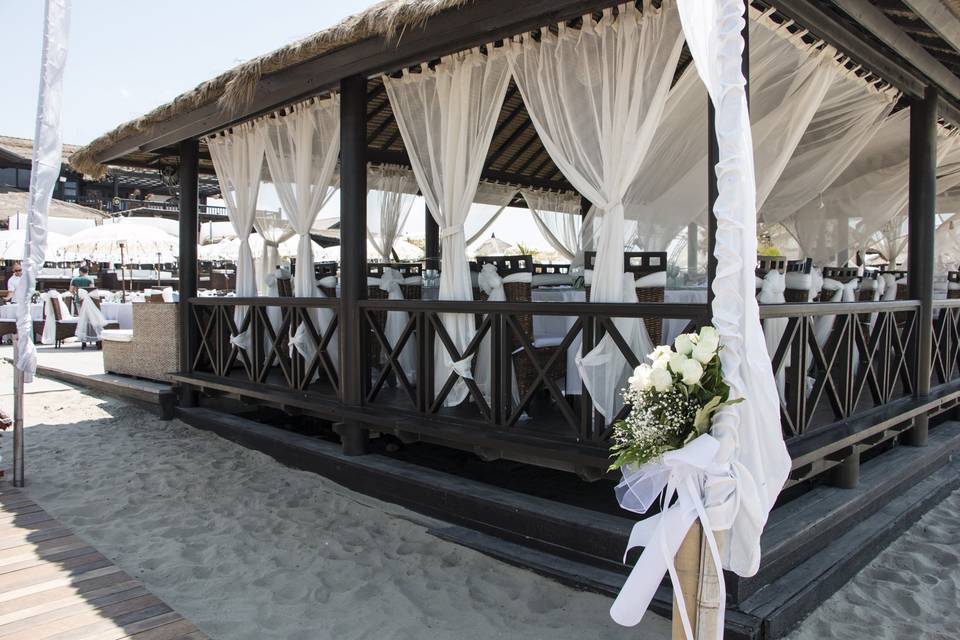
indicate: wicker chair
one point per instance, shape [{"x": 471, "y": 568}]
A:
[
  {"x": 804, "y": 266},
  {"x": 549, "y": 275},
  {"x": 523, "y": 368},
  {"x": 640, "y": 263},
  {"x": 953, "y": 284},
  {"x": 323, "y": 270},
  {"x": 766, "y": 264},
  {"x": 868, "y": 286},
  {"x": 903, "y": 289},
  {"x": 840, "y": 274},
  {"x": 285, "y": 287},
  {"x": 412, "y": 291}
]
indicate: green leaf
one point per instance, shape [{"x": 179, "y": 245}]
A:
[{"x": 701, "y": 422}]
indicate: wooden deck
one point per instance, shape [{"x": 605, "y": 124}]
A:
[{"x": 53, "y": 585}]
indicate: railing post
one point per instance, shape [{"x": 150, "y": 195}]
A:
[
  {"x": 353, "y": 255},
  {"x": 922, "y": 212},
  {"x": 189, "y": 335},
  {"x": 431, "y": 239}
]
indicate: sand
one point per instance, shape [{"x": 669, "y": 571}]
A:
[
  {"x": 247, "y": 548},
  {"x": 910, "y": 591}
]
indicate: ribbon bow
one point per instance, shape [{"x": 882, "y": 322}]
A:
[
  {"x": 491, "y": 283},
  {"x": 390, "y": 282},
  {"x": 682, "y": 473},
  {"x": 842, "y": 291},
  {"x": 773, "y": 287}
]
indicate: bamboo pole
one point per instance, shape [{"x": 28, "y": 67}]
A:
[{"x": 688, "y": 563}]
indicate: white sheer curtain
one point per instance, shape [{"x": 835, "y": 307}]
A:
[
  {"x": 447, "y": 117},
  {"x": 273, "y": 229},
  {"x": 302, "y": 146},
  {"x": 557, "y": 216},
  {"x": 596, "y": 96},
  {"x": 392, "y": 192},
  {"x": 490, "y": 201},
  {"x": 237, "y": 157}
]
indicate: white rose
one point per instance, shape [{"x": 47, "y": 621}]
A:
[
  {"x": 676, "y": 362},
  {"x": 662, "y": 362},
  {"x": 683, "y": 344},
  {"x": 691, "y": 372},
  {"x": 660, "y": 352},
  {"x": 709, "y": 338},
  {"x": 640, "y": 380},
  {"x": 661, "y": 380},
  {"x": 703, "y": 354}
]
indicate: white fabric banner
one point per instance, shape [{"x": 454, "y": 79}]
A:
[
  {"x": 45, "y": 171},
  {"x": 238, "y": 160},
  {"x": 302, "y": 146},
  {"x": 596, "y": 96},
  {"x": 447, "y": 117}
]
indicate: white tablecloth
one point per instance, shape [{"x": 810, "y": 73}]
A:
[
  {"x": 121, "y": 312},
  {"x": 9, "y": 311}
]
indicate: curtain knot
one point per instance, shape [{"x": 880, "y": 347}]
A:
[{"x": 451, "y": 230}]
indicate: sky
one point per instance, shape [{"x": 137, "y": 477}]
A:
[{"x": 127, "y": 57}]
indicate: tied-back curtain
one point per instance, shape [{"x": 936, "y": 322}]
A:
[
  {"x": 490, "y": 201},
  {"x": 753, "y": 456},
  {"x": 596, "y": 96},
  {"x": 557, "y": 216},
  {"x": 302, "y": 146},
  {"x": 238, "y": 159},
  {"x": 273, "y": 230},
  {"x": 447, "y": 116},
  {"x": 393, "y": 190}
]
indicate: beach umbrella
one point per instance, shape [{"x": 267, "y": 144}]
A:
[
  {"x": 494, "y": 246},
  {"x": 229, "y": 249},
  {"x": 164, "y": 224},
  {"x": 137, "y": 244},
  {"x": 11, "y": 243},
  {"x": 212, "y": 232}
]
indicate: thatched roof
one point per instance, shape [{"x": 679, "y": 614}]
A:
[
  {"x": 22, "y": 148},
  {"x": 233, "y": 89},
  {"x": 14, "y": 201}
]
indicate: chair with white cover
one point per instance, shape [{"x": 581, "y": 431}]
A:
[
  {"x": 953, "y": 284},
  {"x": 649, "y": 271},
  {"x": 90, "y": 321},
  {"x": 58, "y": 323}
]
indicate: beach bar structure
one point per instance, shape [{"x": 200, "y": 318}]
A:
[{"x": 855, "y": 107}]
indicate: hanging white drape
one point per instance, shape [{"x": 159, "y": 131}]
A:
[
  {"x": 45, "y": 170},
  {"x": 273, "y": 229},
  {"x": 557, "y": 216},
  {"x": 447, "y": 117},
  {"x": 596, "y": 96},
  {"x": 302, "y": 146},
  {"x": 90, "y": 320},
  {"x": 392, "y": 192},
  {"x": 238, "y": 159},
  {"x": 489, "y": 203},
  {"x": 750, "y": 436}
]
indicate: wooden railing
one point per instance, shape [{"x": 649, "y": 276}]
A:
[{"x": 849, "y": 391}]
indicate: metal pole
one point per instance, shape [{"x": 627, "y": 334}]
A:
[
  {"x": 353, "y": 257},
  {"x": 18, "y": 465},
  {"x": 920, "y": 238}
]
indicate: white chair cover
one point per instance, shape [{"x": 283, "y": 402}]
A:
[
  {"x": 491, "y": 283},
  {"x": 302, "y": 146},
  {"x": 391, "y": 282},
  {"x": 772, "y": 291},
  {"x": 90, "y": 320},
  {"x": 238, "y": 159},
  {"x": 596, "y": 96},
  {"x": 50, "y": 298},
  {"x": 841, "y": 293},
  {"x": 447, "y": 117}
]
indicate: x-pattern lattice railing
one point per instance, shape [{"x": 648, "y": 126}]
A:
[
  {"x": 945, "y": 358},
  {"x": 269, "y": 357}
]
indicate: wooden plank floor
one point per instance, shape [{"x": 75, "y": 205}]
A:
[{"x": 55, "y": 586}]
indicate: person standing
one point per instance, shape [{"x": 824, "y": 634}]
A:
[
  {"x": 82, "y": 281},
  {"x": 13, "y": 281}
]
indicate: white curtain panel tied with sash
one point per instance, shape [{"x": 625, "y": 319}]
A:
[
  {"x": 734, "y": 491},
  {"x": 447, "y": 116},
  {"x": 557, "y": 216},
  {"x": 90, "y": 320},
  {"x": 596, "y": 96},
  {"x": 392, "y": 192},
  {"x": 238, "y": 160},
  {"x": 391, "y": 282},
  {"x": 302, "y": 145}
]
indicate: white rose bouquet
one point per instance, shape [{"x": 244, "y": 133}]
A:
[{"x": 672, "y": 399}]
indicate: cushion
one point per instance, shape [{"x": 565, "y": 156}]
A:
[{"x": 117, "y": 335}]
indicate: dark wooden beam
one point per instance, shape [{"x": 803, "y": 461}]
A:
[
  {"x": 473, "y": 24},
  {"x": 353, "y": 255},
  {"x": 513, "y": 137},
  {"x": 921, "y": 217},
  {"x": 529, "y": 161},
  {"x": 939, "y": 17},
  {"x": 380, "y": 129},
  {"x": 189, "y": 338}
]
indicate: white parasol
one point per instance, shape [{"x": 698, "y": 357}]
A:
[
  {"x": 12, "y": 241},
  {"x": 140, "y": 243}
]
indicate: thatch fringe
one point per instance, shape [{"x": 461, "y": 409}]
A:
[{"x": 235, "y": 89}]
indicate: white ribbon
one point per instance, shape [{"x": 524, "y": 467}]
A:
[
  {"x": 682, "y": 473},
  {"x": 391, "y": 282},
  {"x": 842, "y": 292},
  {"x": 301, "y": 341},
  {"x": 772, "y": 292}
]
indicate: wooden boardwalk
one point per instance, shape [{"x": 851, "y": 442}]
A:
[{"x": 54, "y": 586}]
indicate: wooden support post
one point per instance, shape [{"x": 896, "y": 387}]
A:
[
  {"x": 921, "y": 223},
  {"x": 689, "y": 572},
  {"x": 189, "y": 334},
  {"x": 354, "y": 376},
  {"x": 846, "y": 475},
  {"x": 431, "y": 239}
]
